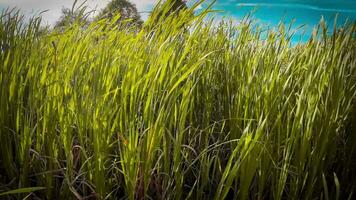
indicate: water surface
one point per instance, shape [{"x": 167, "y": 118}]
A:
[{"x": 303, "y": 12}]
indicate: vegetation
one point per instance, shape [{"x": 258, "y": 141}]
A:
[
  {"x": 172, "y": 8},
  {"x": 73, "y": 15},
  {"x": 177, "y": 5},
  {"x": 125, "y": 9},
  {"x": 200, "y": 112},
  {"x": 80, "y": 15}
]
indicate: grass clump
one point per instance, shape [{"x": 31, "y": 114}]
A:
[{"x": 181, "y": 109}]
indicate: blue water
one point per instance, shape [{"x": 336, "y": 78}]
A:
[{"x": 303, "y": 12}]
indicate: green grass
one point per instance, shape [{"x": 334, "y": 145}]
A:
[{"x": 182, "y": 109}]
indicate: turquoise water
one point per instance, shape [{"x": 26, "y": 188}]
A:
[{"x": 304, "y": 12}]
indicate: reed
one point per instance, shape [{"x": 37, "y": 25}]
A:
[{"x": 182, "y": 109}]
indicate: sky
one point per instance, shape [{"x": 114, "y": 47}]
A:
[{"x": 270, "y": 12}]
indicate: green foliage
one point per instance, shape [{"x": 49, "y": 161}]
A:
[
  {"x": 74, "y": 15},
  {"x": 170, "y": 9},
  {"x": 182, "y": 109},
  {"x": 178, "y": 5},
  {"x": 125, "y": 9},
  {"x": 22, "y": 190}
]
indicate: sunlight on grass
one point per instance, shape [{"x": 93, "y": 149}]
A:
[{"x": 179, "y": 109}]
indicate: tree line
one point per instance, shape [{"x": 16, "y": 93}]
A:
[{"x": 127, "y": 10}]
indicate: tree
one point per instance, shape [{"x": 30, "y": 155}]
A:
[
  {"x": 70, "y": 16},
  {"x": 179, "y": 5},
  {"x": 75, "y": 14},
  {"x": 163, "y": 11},
  {"x": 126, "y": 9}
]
